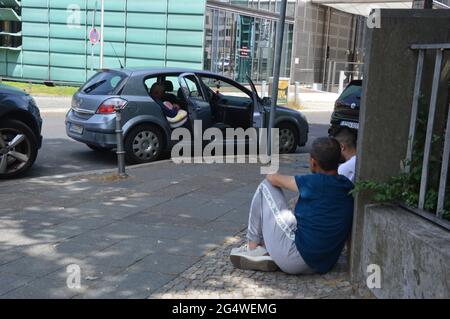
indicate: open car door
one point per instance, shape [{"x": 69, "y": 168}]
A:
[
  {"x": 258, "y": 110},
  {"x": 197, "y": 102}
]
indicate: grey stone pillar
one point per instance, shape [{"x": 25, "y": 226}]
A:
[{"x": 388, "y": 86}]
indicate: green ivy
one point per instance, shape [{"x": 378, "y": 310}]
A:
[{"x": 405, "y": 187}]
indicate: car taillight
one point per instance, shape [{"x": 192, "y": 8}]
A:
[{"x": 109, "y": 106}]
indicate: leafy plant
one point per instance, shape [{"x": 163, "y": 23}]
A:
[{"x": 405, "y": 187}]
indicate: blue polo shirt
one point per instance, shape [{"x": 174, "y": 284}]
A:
[{"x": 324, "y": 215}]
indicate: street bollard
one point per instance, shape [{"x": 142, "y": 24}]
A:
[
  {"x": 341, "y": 81},
  {"x": 297, "y": 94},
  {"x": 264, "y": 89},
  {"x": 120, "y": 148}
]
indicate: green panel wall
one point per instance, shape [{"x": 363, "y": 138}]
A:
[{"x": 143, "y": 33}]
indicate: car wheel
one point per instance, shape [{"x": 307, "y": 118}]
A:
[
  {"x": 288, "y": 138},
  {"x": 98, "y": 148},
  {"x": 143, "y": 144},
  {"x": 18, "y": 148}
]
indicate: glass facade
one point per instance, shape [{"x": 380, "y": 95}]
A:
[
  {"x": 265, "y": 5},
  {"x": 55, "y": 45},
  {"x": 237, "y": 45}
]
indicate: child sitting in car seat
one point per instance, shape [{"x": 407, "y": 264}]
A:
[{"x": 174, "y": 114}]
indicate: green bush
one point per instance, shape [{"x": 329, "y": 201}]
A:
[{"x": 405, "y": 187}]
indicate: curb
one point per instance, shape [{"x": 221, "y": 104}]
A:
[
  {"x": 78, "y": 174},
  {"x": 92, "y": 172}
]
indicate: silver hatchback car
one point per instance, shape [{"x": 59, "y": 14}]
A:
[{"x": 215, "y": 100}]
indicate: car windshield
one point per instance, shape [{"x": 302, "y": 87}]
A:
[
  {"x": 103, "y": 83},
  {"x": 351, "y": 90}
]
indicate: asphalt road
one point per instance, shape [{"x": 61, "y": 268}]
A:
[{"x": 61, "y": 155}]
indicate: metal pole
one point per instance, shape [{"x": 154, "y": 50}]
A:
[
  {"x": 297, "y": 94},
  {"x": 276, "y": 69},
  {"x": 94, "y": 13},
  {"x": 430, "y": 124},
  {"x": 120, "y": 148},
  {"x": 414, "y": 111},
  {"x": 102, "y": 32},
  {"x": 263, "y": 89},
  {"x": 333, "y": 76},
  {"x": 444, "y": 170},
  {"x": 341, "y": 81}
]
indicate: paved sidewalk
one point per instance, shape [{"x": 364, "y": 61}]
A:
[{"x": 129, "y": 237}]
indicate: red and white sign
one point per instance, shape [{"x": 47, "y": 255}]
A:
[
  {"x": 244, "y": 52},
  {"x": 94, "y": 36}
]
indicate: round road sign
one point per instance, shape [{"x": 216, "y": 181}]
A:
[{"x": 94, "y": 36}]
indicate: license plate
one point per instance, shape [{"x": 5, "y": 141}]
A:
[
  {"x": 74, "y": 128},
  {"x": 349, "y": 124}
]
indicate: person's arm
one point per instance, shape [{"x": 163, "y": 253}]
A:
[{"x": 283, "y": 181}]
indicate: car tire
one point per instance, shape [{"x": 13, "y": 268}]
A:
[
  {"x": 143, "y": 144},
  {"x": 288, "y": 138},
  {"x": 99, "y": 148},
  {"x": 20, "y": 158}
]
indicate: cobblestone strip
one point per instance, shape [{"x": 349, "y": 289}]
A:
[{"x": 215, "y": 277}]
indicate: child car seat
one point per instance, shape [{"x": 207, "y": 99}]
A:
[{"x": 179, "y": 120}]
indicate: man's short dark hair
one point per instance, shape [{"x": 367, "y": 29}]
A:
[
  {"x": 347, "y": 137},
  {"x": 327, "y": 152}
]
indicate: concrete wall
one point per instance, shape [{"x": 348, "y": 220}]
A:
[
  {"x": 413, "y": 254},
  {"x": 386, "y": 103}
]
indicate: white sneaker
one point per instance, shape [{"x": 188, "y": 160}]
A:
[{"x": 254, "y": 259}]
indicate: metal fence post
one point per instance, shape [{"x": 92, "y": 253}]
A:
[
  {"x": 120, "y": 148},
  {"x": 444, "y": 169},
  {"x": 430, "y": 124},
  {"x": 414, "y": 111}
]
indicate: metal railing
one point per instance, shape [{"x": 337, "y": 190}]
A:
[{"x": 422, "y": 49}]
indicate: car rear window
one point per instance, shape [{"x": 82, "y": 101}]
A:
[
  {"x": 104, "y": 83},
  {"x": 351, "y": 90}
]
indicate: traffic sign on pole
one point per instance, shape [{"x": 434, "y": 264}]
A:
[{"x": 94, "y": 36}]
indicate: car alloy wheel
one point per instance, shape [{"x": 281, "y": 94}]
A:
[
  {"x": 15, "y": 151},
  {"x": 287, "y": 140},
  {"x": 146, "y": 145}
]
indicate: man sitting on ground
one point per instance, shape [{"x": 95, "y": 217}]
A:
[
  {"x": 311, "y": 238},
  {"x": 347, "y": 139}
]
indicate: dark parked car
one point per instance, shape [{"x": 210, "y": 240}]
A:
[
  {"x": 346, "y": 108},
  {"x": 20, "y": 131},
  {"x": 215, "y": 100}
]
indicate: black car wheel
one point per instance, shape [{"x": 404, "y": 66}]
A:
[
  {"x": 143, "y": 144},
  {"x": 288, "y": 138},
  {"x": 98, "y": 148},
  {"x": 18, "y": 148}
]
